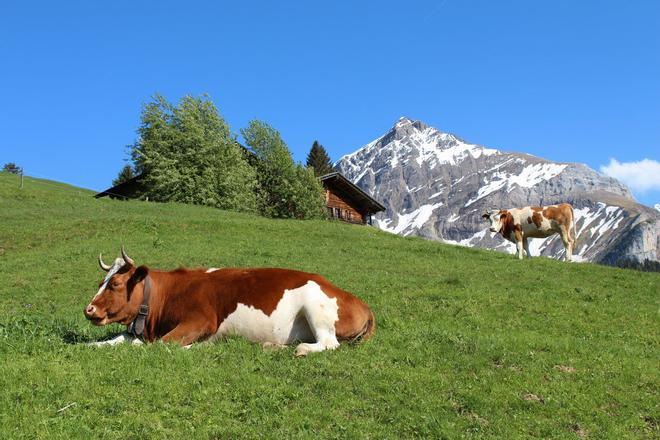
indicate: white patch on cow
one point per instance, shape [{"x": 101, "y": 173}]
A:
[
  {"x": 212, "y": 269},
  {"x": 118, "y": 264},
  {"x": 305, "y": 314}
]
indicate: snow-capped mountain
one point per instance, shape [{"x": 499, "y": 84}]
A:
[{"x": 437, "y": 186}]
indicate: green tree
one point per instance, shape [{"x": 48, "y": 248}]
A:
[
  {"x": 124, "y": 175},
  {"x": 187, "y": 154},
  {"x": 11, "y": 167},
  {"x": 319, "y": 160},
  {"x": 286, "y": 190}
]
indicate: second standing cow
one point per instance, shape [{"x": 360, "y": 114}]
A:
[{"x": 519, "y": 224}]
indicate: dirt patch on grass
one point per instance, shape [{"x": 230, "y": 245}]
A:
[
  {"x": 565, "y": 369},
  {"x": 533, "y": 398},
  {"x": 579, "y": 431}
]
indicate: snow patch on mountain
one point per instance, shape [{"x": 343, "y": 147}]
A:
[
  {"x": 470, "y": 241},
  {"x": 407, "y": 223},
  {"x": 529, "y": 176},
  {"x": 595, "y": 223}
]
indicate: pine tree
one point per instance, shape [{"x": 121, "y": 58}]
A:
[
  {"x": 319, "y": 160},
  {"x": 124, "y": 175}
]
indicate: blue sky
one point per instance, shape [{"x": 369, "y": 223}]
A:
[{"x": 565, "y": 80}]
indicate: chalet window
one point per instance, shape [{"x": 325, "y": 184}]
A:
[{"x": 337, "y": 213}]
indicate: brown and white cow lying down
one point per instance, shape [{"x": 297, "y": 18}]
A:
[
  {"x": 271, "y": 306},
  {"x": 519, "y": 224}
]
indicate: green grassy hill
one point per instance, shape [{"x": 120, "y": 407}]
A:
[{"x": 469, "y": 343}]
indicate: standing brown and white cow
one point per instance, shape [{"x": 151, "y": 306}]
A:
[
  {"x": 519, "y": 224},
  {"x": 271, "y": 306}
]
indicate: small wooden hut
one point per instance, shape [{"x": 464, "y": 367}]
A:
[{"x": 346, "y": 202}]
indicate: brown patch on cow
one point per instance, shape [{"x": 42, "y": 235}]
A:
[
  {"x": 517, "y": 230},
  {"x": 507, "y": 223},
  {"x": 552, "y": 213},
  {"x": 537, "y": 208},
  {"x": 537, "y": 219},
  {"x": 562, "y": 213},
  {"x": 529, "y": 220}
]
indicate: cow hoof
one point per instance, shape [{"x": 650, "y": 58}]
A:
[{"x": 302, "y": 350}]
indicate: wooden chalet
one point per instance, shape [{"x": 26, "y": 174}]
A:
[{"x": 346, "y": 202}]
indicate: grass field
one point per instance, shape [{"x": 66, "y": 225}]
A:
[{"x": 469, "y": 343}]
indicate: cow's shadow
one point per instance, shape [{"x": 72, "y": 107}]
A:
[{"x": 77, "y": 337}]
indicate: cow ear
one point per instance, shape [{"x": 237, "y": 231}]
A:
[{"x": 139, "y": 274}]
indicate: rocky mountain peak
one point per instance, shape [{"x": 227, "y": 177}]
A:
[
  {"x": 436, "y": 185},
  {"x": 405, "y": 123}
]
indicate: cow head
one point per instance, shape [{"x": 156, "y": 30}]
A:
[
  {"x": 495, "y": 219},
  {"x": 120, "y": 293}
]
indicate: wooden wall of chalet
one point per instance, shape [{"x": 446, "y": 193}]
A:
[{"x": 338, "y": 208}]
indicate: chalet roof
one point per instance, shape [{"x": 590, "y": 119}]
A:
[
  {"x": 124, "y": 190},
  {"x": 344, "y": 187}
]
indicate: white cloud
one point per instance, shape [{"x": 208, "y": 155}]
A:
[{"x": 640, "y": 176}]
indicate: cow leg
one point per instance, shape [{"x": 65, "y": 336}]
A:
[
  {"x": 519, "y": 244},
  {"x": 186, "y": 333},
  {"x": 526, "y": 246},
  {"x": 568, "y": 243},
  {"x": 571, "y": 243},
  {"x": 321, "y": 313},
  {"x": 327, "y": 340},
  {"x": 119, "y": 339}
]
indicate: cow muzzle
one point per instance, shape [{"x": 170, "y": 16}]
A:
[{"x": 91, "y": 313}]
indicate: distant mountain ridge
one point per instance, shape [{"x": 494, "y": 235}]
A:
[{"x": 436, "y": 185}]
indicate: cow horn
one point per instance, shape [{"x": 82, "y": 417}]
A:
[
  {"x": 104, "y": 266},
  {"x": 127, "y": 259}
]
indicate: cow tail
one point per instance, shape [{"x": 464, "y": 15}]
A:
[{"x": 367, "y": 331}]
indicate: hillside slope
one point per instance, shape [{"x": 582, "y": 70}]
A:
[
  {"x": 469, "y": 344},
  {"x": 437, "y": 186}
]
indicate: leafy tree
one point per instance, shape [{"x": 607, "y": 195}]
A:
[
  {"x": 319, "y": 160},
  {"x": 286, "y": 190},
  {"x": 187, "y": 154},
  {"x": 124, "y": 175},
  {"x": 11, "y": 167}
]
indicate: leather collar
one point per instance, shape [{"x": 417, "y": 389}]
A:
[{"x": 136, "y": 327}]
